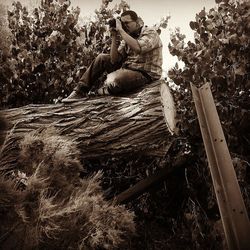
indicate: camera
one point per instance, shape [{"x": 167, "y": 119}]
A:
[{"x": 112, "y": 23}]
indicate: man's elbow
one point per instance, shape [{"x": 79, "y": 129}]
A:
[{"x": 137, "y": 49}]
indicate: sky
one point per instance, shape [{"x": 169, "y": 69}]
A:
[{"x": 151, "y": 11}]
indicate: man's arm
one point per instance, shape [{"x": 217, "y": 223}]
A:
[
  {"x": 114, "y": 54},
  {"x": 130, "y": 41}
]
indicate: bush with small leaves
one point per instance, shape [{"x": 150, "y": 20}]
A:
[{"x": 50, "y": 50}]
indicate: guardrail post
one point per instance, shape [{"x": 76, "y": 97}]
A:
[{"x": 229, "y": 198}]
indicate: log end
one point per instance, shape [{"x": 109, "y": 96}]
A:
[{"x": 169, "y": 109}]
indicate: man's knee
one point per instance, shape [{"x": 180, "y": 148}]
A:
[
  {"x": 103, "y": 58},
  {"x": 114, "y": 83},
  {"x": 114, "y": 88}
]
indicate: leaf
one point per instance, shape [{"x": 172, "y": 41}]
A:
[
  {"x": 202, "y": 13},
  {"x": 194, "y": 25},
  {"x": 198, "y": 53},
  {"x": 210, "y": 27},
  {"x": 224, "y": 40},
  {"x": 205, "y": 36}
]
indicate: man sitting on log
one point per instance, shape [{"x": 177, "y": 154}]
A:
[{"x": 136, "y": 62}]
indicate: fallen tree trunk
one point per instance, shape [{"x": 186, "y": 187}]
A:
[{"x": 106, "y": 125}]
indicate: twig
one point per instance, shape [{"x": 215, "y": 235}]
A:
[{"x": 6, "y": 235}]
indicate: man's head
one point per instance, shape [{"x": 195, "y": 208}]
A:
[{"x": 129, "y": 20}]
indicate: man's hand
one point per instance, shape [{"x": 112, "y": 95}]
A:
[
  {"x": 118, "y": 25},
  {"x": 113, "y": 32},
  {"x": 131, "y": 42}
]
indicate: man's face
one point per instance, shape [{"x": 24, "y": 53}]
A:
[{"x": 129, "y": 24}]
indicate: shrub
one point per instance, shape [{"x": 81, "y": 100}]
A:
[{"x": 50, "y": 51}]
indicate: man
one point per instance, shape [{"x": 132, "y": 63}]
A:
[{"x": 137, "y": 61}]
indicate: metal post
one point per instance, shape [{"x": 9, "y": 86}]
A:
[{"x": 229, "y": 198}]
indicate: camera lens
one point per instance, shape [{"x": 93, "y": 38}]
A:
[{"x": 112, "y": 23}]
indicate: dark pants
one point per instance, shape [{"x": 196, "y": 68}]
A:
[{"x": 119, "y": 80}]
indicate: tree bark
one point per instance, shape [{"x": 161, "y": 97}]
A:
[{"x": 106, "y": 125}]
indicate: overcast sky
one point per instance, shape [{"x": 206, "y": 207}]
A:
[{"x": 151, "y": 11}]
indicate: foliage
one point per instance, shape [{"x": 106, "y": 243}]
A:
[
  {"x": 219, "y": 55},
  {"x": 50, "y": 51},
  {"x": 49, "y": 206}
]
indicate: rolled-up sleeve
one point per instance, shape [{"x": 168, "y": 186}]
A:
[{"x": 148, "y": 41}]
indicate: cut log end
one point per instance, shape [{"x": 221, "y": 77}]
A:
[{"x": 169, "y": 109}]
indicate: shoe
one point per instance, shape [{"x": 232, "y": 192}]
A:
[
  {"x": 73, "y": 97},
  {"x": 102, "y": 91}
]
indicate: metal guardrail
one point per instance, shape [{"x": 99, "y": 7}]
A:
[{"x": 233, "y": 212}]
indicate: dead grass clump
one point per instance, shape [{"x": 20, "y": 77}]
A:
[
  {"x": 56, "y": 209},
  {"x": 49, "y": 156},
  {"x": 86, "y": 219},
  {"x": 49, "y": 147}
]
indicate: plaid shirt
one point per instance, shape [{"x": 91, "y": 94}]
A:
[{"x": 149, "y": 59}]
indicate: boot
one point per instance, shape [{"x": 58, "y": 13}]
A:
[{"x": 74, "y": 97}]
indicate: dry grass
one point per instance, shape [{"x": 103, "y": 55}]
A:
[
  {"x": 57, "y": 208},
  {"x": 86, "y": 218}
]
